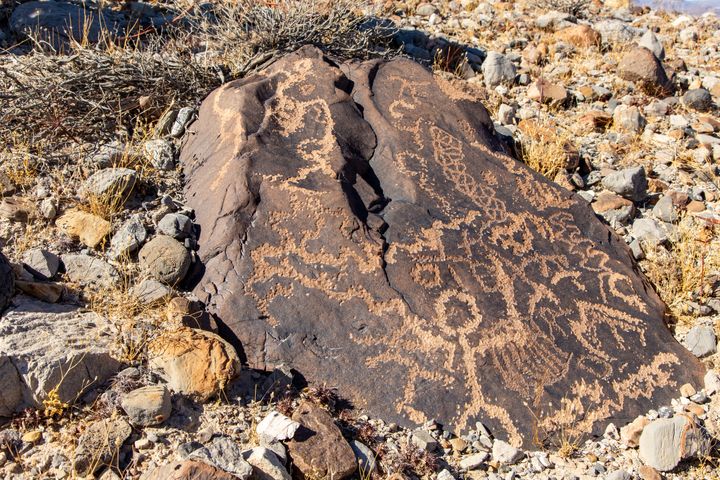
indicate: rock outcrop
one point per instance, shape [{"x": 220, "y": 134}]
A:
[{"x": 362, "y": 223}]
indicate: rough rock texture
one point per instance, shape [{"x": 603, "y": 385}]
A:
[
  {"x": 188, "y": 470},
  {"x": 89, "y": 228},
  {"x": 150, "y": 405},
  {"x": 195, "y": 363},
  {"x": 7, "y": 282},
  {"x": 318, "y": 449},
  {"x": 99, "y": 445},
  {"x": 41, "y": 341},
  {"x": 667, "y": 441},
  {"x": 640, "y": 65},
  {"x": 390, "y": 248},
  {"x": 166, "y": 259}
]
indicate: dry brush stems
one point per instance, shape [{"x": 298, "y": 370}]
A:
[{"x": 96, "y": 91}]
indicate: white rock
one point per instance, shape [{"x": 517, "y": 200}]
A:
[
  {"x": 712, "y": 382},
  {"x": 474, "y": 461},
  {"x": 266, "y": 465},
  {"x": 276, "y": 427},
  {"x": 505, "y": 453}
]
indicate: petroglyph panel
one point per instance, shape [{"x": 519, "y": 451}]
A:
[{"x": 362, "y": 223}]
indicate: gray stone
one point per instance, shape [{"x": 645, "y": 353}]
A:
[
  {"x": 665, "y": 210},
  {"x": 225, "y": 454},
  {"x": 175, "y": 225},
  {"x": 128, "y": 239},
  {"x": 147, "y": 406},
  {"x": 108, "y": 155},
  {"x": 41, "y": 263},
  {"x": 161, "y": 154},
  {"x": 701, "y": 341},
  {"x": 165, "y": 259},
  {"x": 366, "y": 458},
  {"x": 149, "y": 291},
  {"x": 619, "y": 475},
  {"x": 426, "y": 9},
  {"x": 276, "y": 427},
  {"x": 424, "y": 441},
  {"x": 666, "y": 441},
  {"x": 630, "y": 183},
  {"x": 712, "y": 382},
  {"x": 614, "y": 31},
  {"x": 48, "y": 208},
  {"x": 647, "y": 231},
  {"x": 42, "y": 343},
  {"x": 650, "y": 41},
  {"x": 474, "y": 461},
  {"x": 636, "y": 250},
  {"x": 100, "y": 444},
  {"x": 110, "y": 182},
  {"x": 497, "y": 69},
  {"x": 91, "y": 271},
  {"x": 628, "y": 118},
  {"x": 698, "y": 99},
  {"x": 266, "y": 465},
  {"x": 505, "y": 453},
  {"x": 554, "y": 20},
  {"x": 184, "y": 116},
  {"x": 506, "y": 114}
]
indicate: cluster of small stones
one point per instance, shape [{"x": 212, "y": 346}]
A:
[{"x": 636, "y": 132}]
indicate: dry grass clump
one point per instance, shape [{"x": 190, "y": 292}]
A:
[
  {"x": 547, "y": 150},
  {"x": 682, "y": 271},
  {"x": 247, "y": 33}
]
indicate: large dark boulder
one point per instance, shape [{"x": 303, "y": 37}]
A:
[
  {"x": 362, "y": 223},
  {"x": 7, "y": 282}
]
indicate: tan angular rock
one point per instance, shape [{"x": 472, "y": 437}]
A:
[
  {"x": 196, "y": 363},
  {"x": 630, "y": 433},
  {"x": 579, "y": 35},
  {"x": 546, "y": 92},
  {"x": 90, "y": 229},
  {"x": 318, "y": 449}
]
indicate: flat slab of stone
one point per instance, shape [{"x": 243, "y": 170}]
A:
[
  {"x": 42, "y": 343},
  {"x": 363, "y": 224}
]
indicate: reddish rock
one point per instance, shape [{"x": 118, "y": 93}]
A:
[
  {"x": 641, "y": 66},
  {"x": 318, "y": 449},
  {"x": 363, "y": 224},
  {"x": 188, "y": 470},
  {"x": 606, "y": 201}
]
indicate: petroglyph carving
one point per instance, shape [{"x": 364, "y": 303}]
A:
[{"x": 487, "y": 292}]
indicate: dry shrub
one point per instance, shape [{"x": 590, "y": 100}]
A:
[
  {"x": 93, "y": 91},
  {"x": 546, "y": 149},
  {"x": 683, "y": 270}
]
